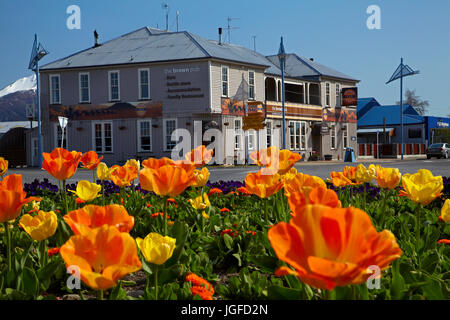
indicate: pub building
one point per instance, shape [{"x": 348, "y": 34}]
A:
[{"x": 123, "y": 99}]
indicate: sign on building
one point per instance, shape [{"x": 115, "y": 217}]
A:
[
  {"x": 30, "y": 111},
  {"x": 349, "y": 96}
]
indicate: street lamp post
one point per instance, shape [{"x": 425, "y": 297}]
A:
[
  {"x": 37, "y": 53},
  {"x": 402, "y": 70},
  {"x": 282, "y": 58}
]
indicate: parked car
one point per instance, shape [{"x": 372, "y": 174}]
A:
[{"x": 438, "y": 150}]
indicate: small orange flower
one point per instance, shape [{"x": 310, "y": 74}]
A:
[
  {"x": 224, "y": 210},
  {"x": 149, "y": 205},
  {"x": 157, "y": 214},
  {"x": 171, "y": 200},
  {"x": 195, "y": 280},
  {"x": 79, "y": 201},
  {"x": 202, "y": 292},
  {"x": 446, "y": 241},
  {"x": 12, "y": 197},
  {"x": 53, "y": 251},
  {"x": 90, "y": 160},
  {"x": 168, "y": 180},
  {"x": 103, "y": 255},
  {"x": 215, "y": 191},
  {"x": 243, "y": 190},
  {"x": 263, "y": 185},
  {"x": 93, "y": 216},
  {"x": 331, "y": 247},
  {"x": 199, "y": 156},
  {"x": 251, "y": 232},
  {"x": 60, "y": 163},
  {"x": 235, "y": 193}
]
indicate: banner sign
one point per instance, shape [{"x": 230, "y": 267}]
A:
[
  {"x": 349, "y": 96},
  {"x": 339, "y": 115},
  {"x": 237, "y": 108}
]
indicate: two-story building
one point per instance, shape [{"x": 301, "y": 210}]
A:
[{"x": 125, "y": 97}]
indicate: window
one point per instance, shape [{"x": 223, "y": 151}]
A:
[
  {"x": 338, "y": 95},
  {"x": 225, "y": 81},
  {"x": 345, "y": 135},
  {"x": 84, "y": 87},
  {"x": 297, "y": 134},
  {"x": 327, "y": 94},
  {"x": 114, "y": 86},
  {"x": 269, "y": 133},
  {"x": 144, "y": 84},
  {"x": 58, "y": 136},
  {"x": 251, "y": 139},
  {"x": 144, "y": 134},
  {"x": 103, "y": 136},
  {"x": 251, "y": 85},
  {"x": 414, "y": 133},
  {"x": 333, "y": 136},
  {"x": 170, "y": 126},
  {"x": 55, "y": 89},
  {"x": 238, "y": 134}
]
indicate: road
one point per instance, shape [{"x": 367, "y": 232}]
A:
[{"x": 322, "y": 169}]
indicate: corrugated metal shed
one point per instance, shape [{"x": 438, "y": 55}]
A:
[{"x": 374, "y": 117}]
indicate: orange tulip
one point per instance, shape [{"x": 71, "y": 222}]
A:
[
  {"x": 318, "y": 195},
  {"x": 104, "y": 255},
  {"x": 123, "y": 175},
  {"x": 60, "y": 163},
  {"x": 168, "y": 180},
  {"x": 263, "y": 185},
  {"x": 275, "y": 160},
  {"x": 92, "y": 216},
  {"x": 350, "y": 173},
  {"x": 340, "y": 180},
  {"x": 12, "y": 197},
  {"x": 302, "y": 182},
  {"x": 153, "y": 163},
  {"x": 199, "y": 156},
  {"x": 388, "y": 177},
  {"x": 331, "y": 247},
  {"x": 90, "y": 160}
]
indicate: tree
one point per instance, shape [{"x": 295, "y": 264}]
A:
[{"x": 418, "y": 104}]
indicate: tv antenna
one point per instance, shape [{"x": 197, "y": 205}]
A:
[
  {"x": 178, "y": 14},
  {"x": 229, "y": 27},
  {"x": 254, "y": 43},
  {"x": 165, "y": 6}
]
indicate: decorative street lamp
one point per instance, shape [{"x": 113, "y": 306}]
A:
[
  {"x": 402, "y": 70},
  {"x": 37, "y": 53},
  {"x": 282, "y": 58}
]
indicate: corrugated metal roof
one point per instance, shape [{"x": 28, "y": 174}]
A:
[
  {"x": 301, "y": 67},
  {"x": 152, "y": 45},
  {"x": 374, "y": 117},
  {"x": 364, "y": 104}
]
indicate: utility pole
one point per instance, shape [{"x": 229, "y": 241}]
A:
[
  {"x": 178, "y": 14},
  {"x": 166, "y": 7}
]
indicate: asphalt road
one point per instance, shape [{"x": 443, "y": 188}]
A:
[{"x": 322, "y": 169}]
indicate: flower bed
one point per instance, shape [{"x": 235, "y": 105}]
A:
[{"x": 284, "y": 235}]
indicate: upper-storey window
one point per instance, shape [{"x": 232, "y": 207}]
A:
[
  {"x": 225, "y": 81},
  {"x": 327, "y": 94},
  {"x": 251, "y": 85},
  {"x": 338, "y": 95},
  {"x": 144, "y": 84},
  {"x": 114, "y": 86},
  {"x": 84, "y": 87},
  {"x": 55, "y": 89}
]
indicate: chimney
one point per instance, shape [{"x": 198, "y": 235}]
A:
[
  {"x": 220, "y": 36},
  {"x": 96, "y": 39}
]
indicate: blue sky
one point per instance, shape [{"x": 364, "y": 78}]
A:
[{"x": 333, "y": 32}]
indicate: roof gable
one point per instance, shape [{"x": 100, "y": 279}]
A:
[{"x": 374, "y": 116}]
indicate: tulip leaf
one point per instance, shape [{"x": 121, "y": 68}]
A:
[
  {"x": 228, "y": 241},
  {"x": 432, "y": 290},
  {"x": 30, "y": 282},
  {"x": 282, "y": 293},
  {"x": 180, "y": 231},
  {"x": 45, "y": 273},
  {"x": 268, "y": 264}
]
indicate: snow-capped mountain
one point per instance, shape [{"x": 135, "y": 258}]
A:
[
  {"x": 15, "y": 97},
  {"x": 23, "y": 84}
]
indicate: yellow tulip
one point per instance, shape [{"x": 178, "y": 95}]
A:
[
  {"x": 206, "y": 216},
  {"x": 156, "y": 248},
  {"x": 3, "y": 166},
  {"x": 445, "y": 211},
  {"x": 41, "y": 226},
  {"x": 200, "y": 203},
  {"x": 422, "y": 187},
  {"x": 86, "y": 190},
  {"x": 388, "y": 177},
  {"x": 201, "y": 177},
  {"x": 103, "y": 172},
  {"x": 365, "y": 175}
]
